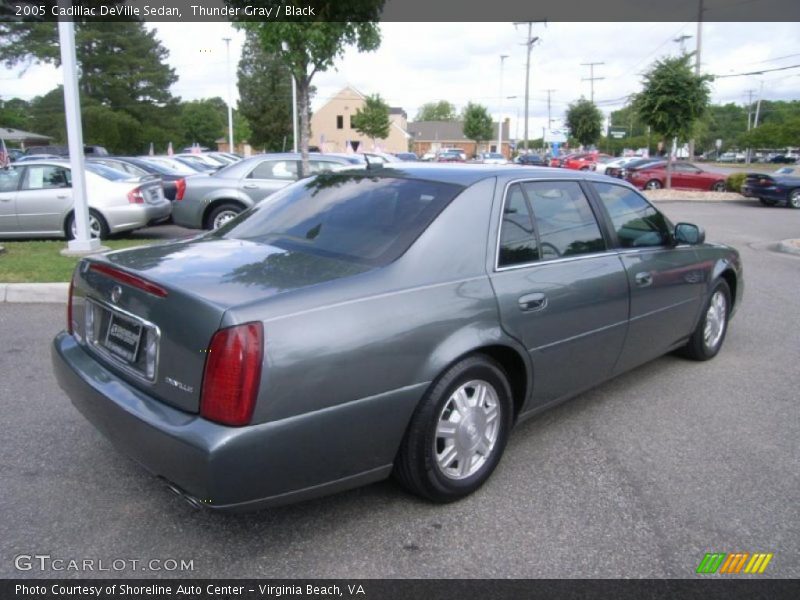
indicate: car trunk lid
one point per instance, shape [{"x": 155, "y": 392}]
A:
[{"x": 149, "y": 313}]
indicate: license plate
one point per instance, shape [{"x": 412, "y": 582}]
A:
[{"x": 123, "y": 337}]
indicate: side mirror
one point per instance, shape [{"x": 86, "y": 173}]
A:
[{"x": 687, "y": 233}]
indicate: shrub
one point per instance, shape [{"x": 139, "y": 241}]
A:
[{"x": 734, "y": 182}]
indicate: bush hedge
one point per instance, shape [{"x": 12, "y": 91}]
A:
[{"x": 734, "y": 182}]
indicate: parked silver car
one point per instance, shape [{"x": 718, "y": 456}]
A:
[
  {"x": 36, "y": 200},
  {"x": 210, "y": 202},
  {"x": 399, "y": 320}
]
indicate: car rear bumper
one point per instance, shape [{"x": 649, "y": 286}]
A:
[
  {"x": 233, "y": 468},
  {"x": 133, "y": 216},
  {"x": 766, "y": 192}
]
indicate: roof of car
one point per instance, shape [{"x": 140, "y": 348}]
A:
[{"x": 467, "y": 174}]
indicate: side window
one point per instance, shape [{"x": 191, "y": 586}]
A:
[
  {"x": 275, "y": 169},
  {"x": 637, "y": 223},
  {"x": 46, "y": 177},
  {"x": 9, "y": 179},
  {"x": 564, "y": 219},
  {"x": 320, "y": 166},
  {"x": 517, "y": 238}
]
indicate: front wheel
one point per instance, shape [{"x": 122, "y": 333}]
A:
[
  {"x": 709, "y": 334},
  {"x": 794, "y": 199},
  {"x": 458, "y": 432},
  {"x": 653, "y": 184}
]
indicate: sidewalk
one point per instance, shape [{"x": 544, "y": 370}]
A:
[{"x": 29, "y": 293}]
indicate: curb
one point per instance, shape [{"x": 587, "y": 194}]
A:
[{"x": 30, "y": 293}]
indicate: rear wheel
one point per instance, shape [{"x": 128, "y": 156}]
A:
[
  {"x": 653, "y": 184},
  {"x": 718, "y": 187},
  {"x": 794, "y": 199},
  {"x": 709, "y": 334},
  {"x": 458, "y": 432},
  {"x": 221, "y": 214},
  {"x": 98, "y": 228}
]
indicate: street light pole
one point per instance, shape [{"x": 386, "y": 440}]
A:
[
  {"x": 227, "y": 41},
  {"x": 503, "y": 58}
]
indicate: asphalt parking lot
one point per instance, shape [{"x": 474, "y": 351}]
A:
[{"x": 637, "y": 478}]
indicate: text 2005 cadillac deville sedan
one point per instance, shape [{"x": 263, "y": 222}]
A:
[{"x": 398, "y": 320}]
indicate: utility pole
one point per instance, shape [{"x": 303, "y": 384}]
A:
[
  {"x": 549, "y": 118},
  {"x": 529, "y": 42},
  {"x": 697, "y": 60},
  {"x": 749, "y": 118},
  {"x": 591, "y": 79},
  {"x": 503, "y": 58},
  {"x": 227, "y": 41}
]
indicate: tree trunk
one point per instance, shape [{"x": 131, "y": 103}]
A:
[{"x": 303, "y": 87}]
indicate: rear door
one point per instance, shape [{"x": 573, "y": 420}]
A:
[
  {"x": 667, "y": 282},
  {"x": 9, "y": 183},
  {"x": 44, "y": 199},
  {"x": 560, "y": 291}
]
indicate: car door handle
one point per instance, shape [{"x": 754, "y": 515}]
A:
[
  {"x": 251, "y": 186},
  {"x": 5, "y": 199},
  {"x": 643, "y": 279},
  {"x": 62, "y": 196},
  {"x": 532, "y": 302}
]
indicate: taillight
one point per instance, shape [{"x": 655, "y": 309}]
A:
[
  {"x": 232, "y": 374},
  {"x": 180, "y": 188},
  {"x": 135, "y": 196},
  {"x": 70, "y": 329}
]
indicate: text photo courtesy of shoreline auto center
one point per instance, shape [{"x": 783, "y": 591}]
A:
[{"x": 396, "y": 299}]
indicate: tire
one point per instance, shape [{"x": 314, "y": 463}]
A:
[
  {"x": 710, "y": 332},
  {"x": 432, "y": 465},
  {"x": 584, "y": 168},
  {"x": 653, "y": 184},
  {"x": 221, "y": 214},
  {"x": 98, "y": 228},
  {"x": 718, "y": 187},
  {"x": 793, "y": 201}
]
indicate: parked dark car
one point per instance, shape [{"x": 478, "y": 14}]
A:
[
  {"x": 782, "y": 159},
  {"x": 451, "y": 155},
  {"x": 531, "y": 160},
  {"x": 63, "y": 151},
  {"x": 173, "y": 182},
  {"x": 398, "y": 320},
  {"x": 780, "y": 188},
  {"x": 653, "y": 176},
  {"x": 209, "y": 202},
  {"x": 407, "y": 156}
]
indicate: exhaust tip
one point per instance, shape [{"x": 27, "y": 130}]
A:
[{"x": 190, "y": 500}]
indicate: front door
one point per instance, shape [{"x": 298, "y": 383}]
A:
[
  {"x": 559, "y": 291},
  {"x": 667, "y": 282}
]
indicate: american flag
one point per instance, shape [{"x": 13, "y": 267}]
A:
[{"x": 5, "y": 159}]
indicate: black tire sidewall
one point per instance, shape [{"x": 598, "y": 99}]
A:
[{"x": 441, "y": 487}]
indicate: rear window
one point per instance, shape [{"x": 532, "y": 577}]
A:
[
  {"x": 108, "y": 172},
  {"x": 364, "y": 218}
]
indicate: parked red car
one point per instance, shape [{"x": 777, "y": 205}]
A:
[
  {"x": 558, "y": 161},
  {"x": 685, "y": 175},
  {"x": 584, "y": 161}
]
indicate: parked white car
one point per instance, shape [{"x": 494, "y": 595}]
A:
[
  {"x": 615, "y": 164},
  {"x": 36, "y": 200},
  {"x": 493, "y": 158}
]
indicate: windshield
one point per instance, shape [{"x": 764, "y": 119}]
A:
[
  {"x": 784, "y": 171},
  {"x": 371, "y": 219}
]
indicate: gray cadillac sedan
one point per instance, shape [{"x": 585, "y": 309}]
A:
[{"x": 398, "y": 320}]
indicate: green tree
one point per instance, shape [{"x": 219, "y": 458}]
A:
[
  {"x": 477, "y": 123},
  {"x": 309, "y": 47},
  {"x": 265, "y": 95},
  {"x": 202, "y": 121},
  {"x": 585, "y": 121},
  {"x": 437, "y": 111},
  {"x": 373, "y": 119},
  {"x": 122, "y": 65},
  {"x": 673, "y": 100},
  {"x": 15, "y": 113}
]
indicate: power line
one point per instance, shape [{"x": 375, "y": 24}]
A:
[{"x": 757, "y": 72}]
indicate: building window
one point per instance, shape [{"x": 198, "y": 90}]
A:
[
  {"x": 350, "y": 124},
  {"x": 339, "y": 122}
]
